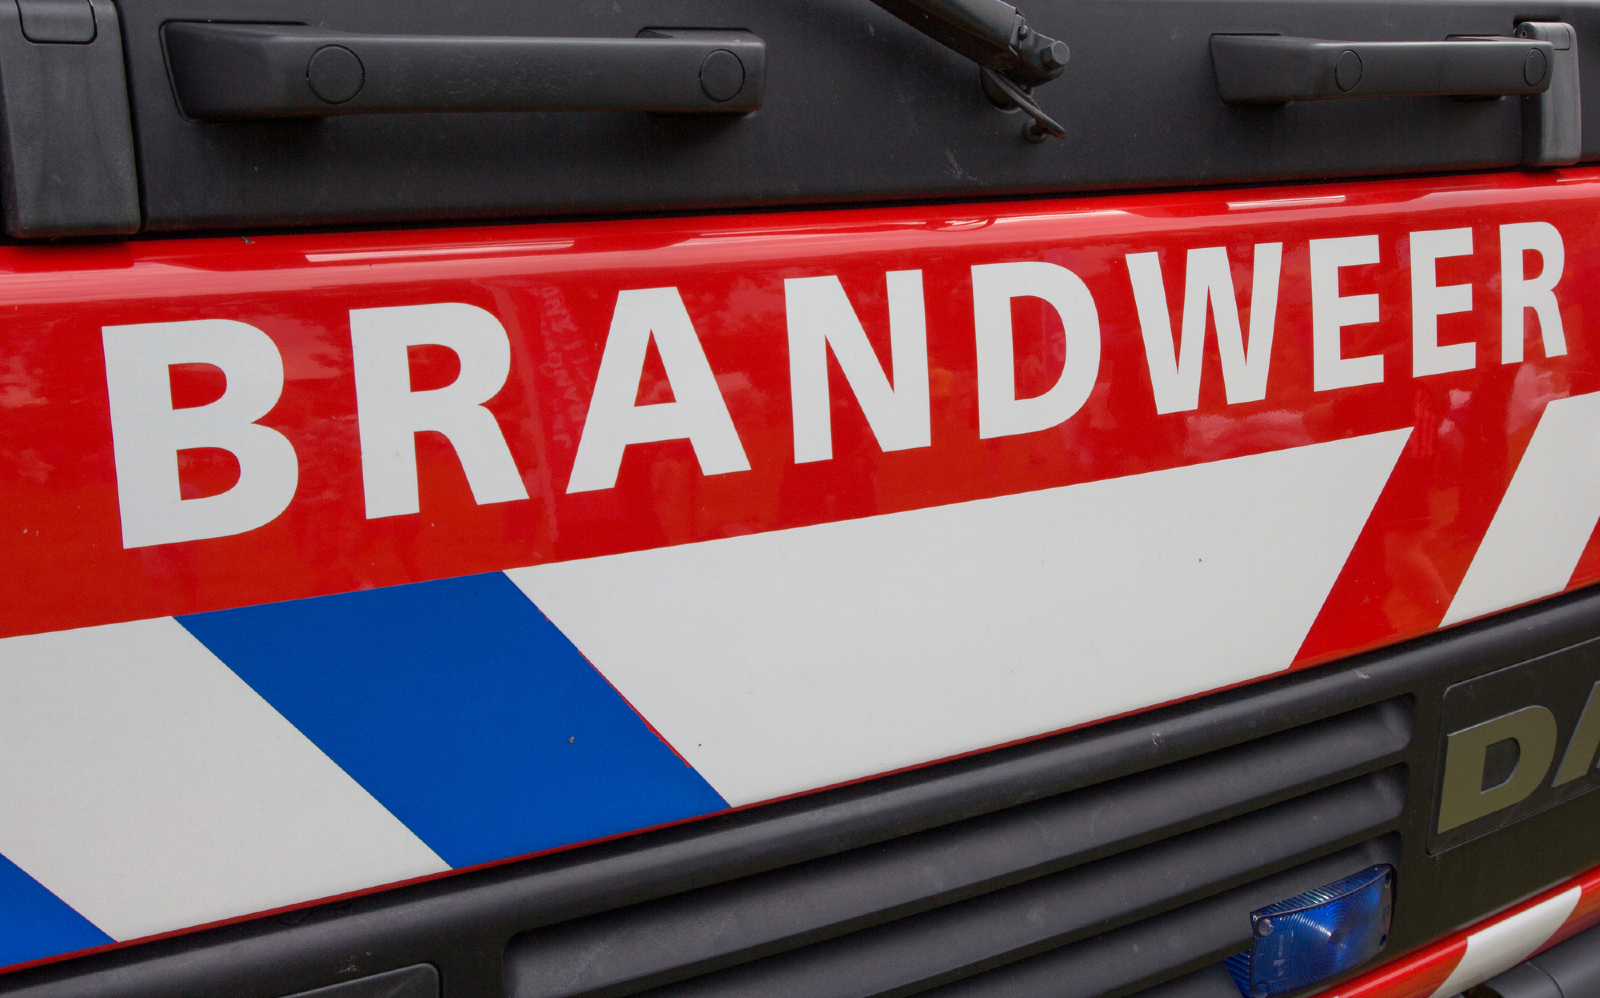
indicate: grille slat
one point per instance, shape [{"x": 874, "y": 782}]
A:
[
  {"x": 1157, "y": 949},
  {"x": 698, "y": 933},
  {"x": 913, "y": 954},
  {"x": 610, "y": 876}
]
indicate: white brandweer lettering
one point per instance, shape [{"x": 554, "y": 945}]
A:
[
  {"x": 1000, "y": 412},
  {"x": 1331, "y": 312},
  {"x": 390, "y": 414},
  {"x": 697, "y": 411},
  {"x": 820, "y": 316},
  {"x": 1519, "y": 292},
  {"x": 1208, "y": 282},
  {"x": 147, "y": 432},
  {"x": 1429, "y": 301}
]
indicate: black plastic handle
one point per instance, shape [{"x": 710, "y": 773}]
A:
[
  {"x": 1273, "y": 69},
  {"x": 234, "y": 72}
]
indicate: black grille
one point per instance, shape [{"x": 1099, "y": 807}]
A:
[{"x": 918, "y": 911}]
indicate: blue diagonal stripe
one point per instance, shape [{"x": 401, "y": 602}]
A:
[
  {"x": 464, "y": 711},
  {"x": 34, "y": 923}
]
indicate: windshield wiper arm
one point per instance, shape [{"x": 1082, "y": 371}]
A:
[{"x": 999, "y": 39}]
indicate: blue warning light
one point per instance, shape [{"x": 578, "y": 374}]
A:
[{"x": 1316, "y": 935}]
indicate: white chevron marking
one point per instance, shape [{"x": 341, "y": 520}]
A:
[
  {"x": 1499, "y": 947},
  {"x": 149, "y": 788},
  {"x": 1545, "y": 519},
  {"x": 796, "y": 659}
]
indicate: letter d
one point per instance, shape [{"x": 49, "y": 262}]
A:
[
  {"x": 1463, "y": 797},
  {"x": 1000, "y": 412},
  {"x": 147, "y": 432}
]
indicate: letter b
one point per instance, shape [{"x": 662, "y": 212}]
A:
[{"x": 147, "y": 432}]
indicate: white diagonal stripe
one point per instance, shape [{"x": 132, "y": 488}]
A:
[
  {"x": 1545, "y": 519},
  {"x": 1499, "y": 947},
  {"x": 795, "y": 659},
  {"x": 149, "y": 788}
]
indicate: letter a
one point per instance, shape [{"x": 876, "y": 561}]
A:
[
  {"x": 1585, "y": 739},
  {"x": 697, "y": 411}
]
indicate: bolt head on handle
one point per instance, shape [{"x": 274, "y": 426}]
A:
[{"x": 1040, "y": 58}]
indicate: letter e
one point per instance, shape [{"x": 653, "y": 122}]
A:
[{"x": 1330, "y": 313}]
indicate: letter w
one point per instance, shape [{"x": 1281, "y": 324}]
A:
[
  {"x": 820, "y": 316},
  {"x": 1208, "y": 281}
]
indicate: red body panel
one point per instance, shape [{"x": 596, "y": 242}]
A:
[{"x": 554, "y": 288}]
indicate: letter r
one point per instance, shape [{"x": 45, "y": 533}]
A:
[{"x": 390, "y": 414}]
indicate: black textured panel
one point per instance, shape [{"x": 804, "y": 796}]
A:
[
  {"x": 66, "y": 144},
  {"x": 859, "y": 106},
  {"x": 407, "y": 982}
]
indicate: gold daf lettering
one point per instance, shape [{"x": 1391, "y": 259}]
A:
[{"x": 1463, "y": 797}]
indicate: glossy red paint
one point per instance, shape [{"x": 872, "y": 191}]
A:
[{"x": 554, "y": 288}]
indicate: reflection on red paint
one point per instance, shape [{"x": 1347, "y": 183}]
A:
[{"x": 554, "y": 287}]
